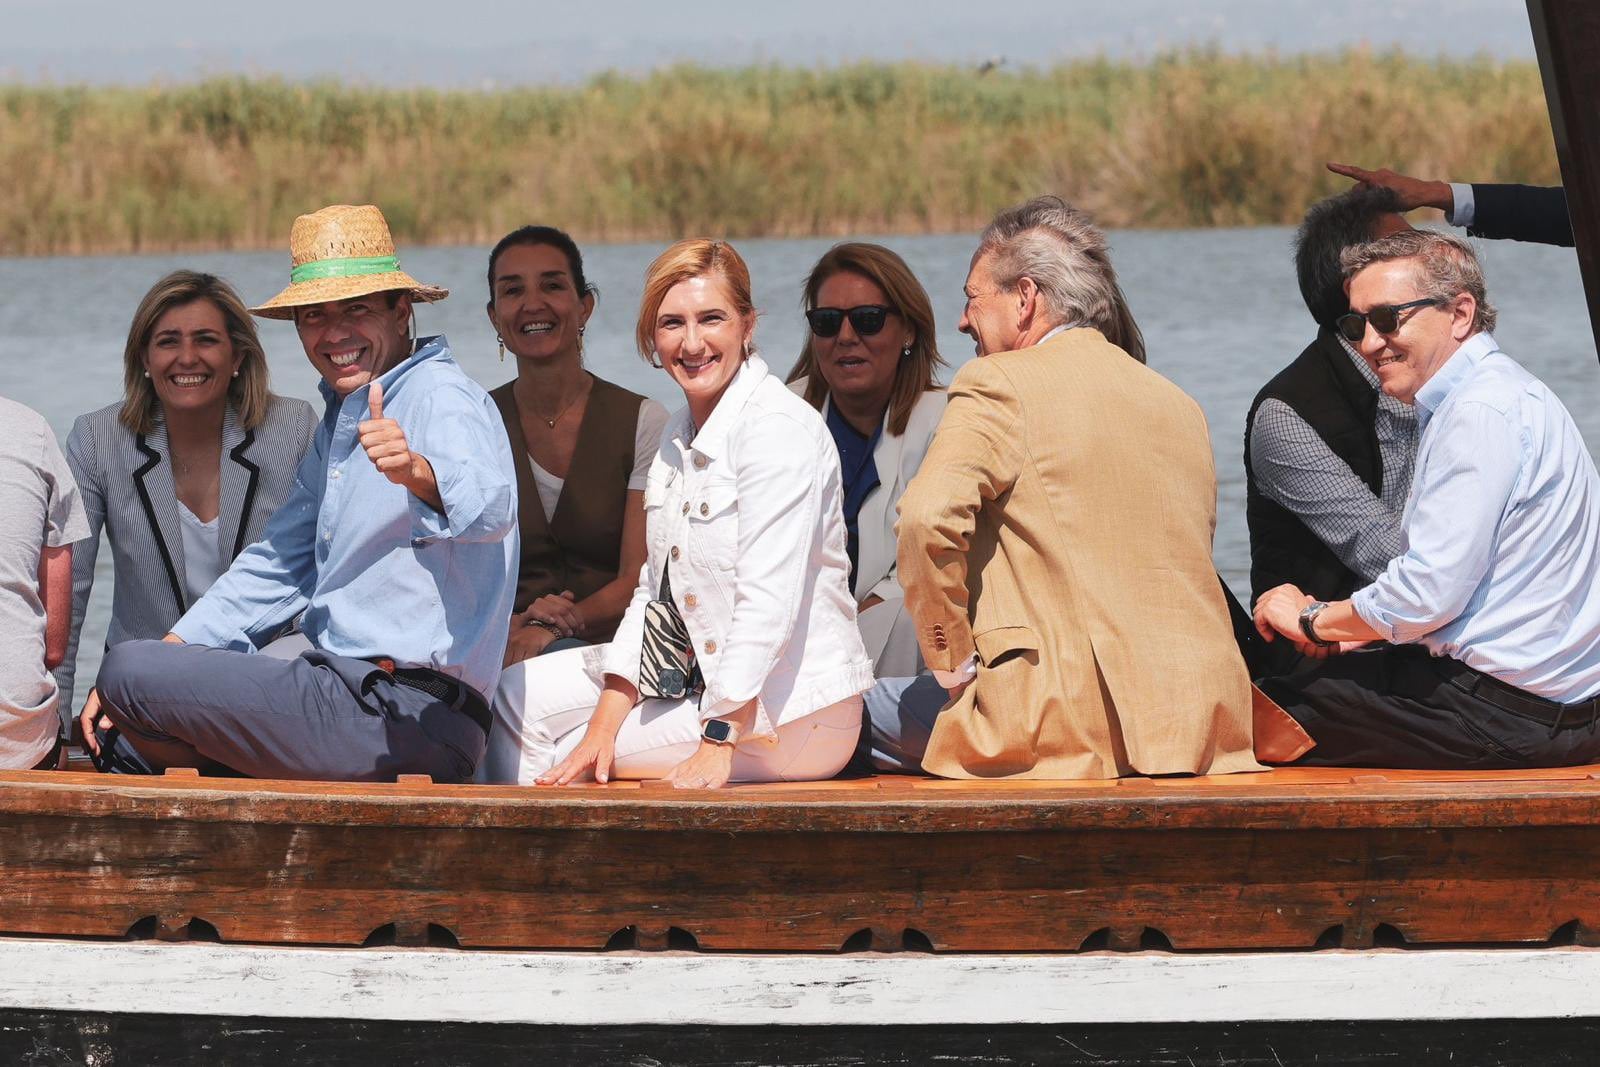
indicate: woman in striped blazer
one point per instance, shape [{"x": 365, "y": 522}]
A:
[{"x": 185, "y": 470}]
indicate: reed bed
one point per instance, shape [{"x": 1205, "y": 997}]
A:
[{"x": 1186, "y": 140}]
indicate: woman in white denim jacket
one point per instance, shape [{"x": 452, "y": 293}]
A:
[{"x": 743, "y": 514}]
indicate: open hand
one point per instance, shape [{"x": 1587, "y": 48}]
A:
[
  {"x": 1413, "y": 192},
  {"x": 592, "y": 757}
]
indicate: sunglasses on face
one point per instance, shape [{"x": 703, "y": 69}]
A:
[
  {"x": 1385, "y": 318},
  {"x": 866, "y": 320}
]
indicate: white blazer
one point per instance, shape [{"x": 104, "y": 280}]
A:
[
  {"x": 888, "y": 632},
  {"x": 749, "y": 517}
]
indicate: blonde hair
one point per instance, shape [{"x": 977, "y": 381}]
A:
[
  {"x": 248, "y": 393},
  {"x": 914, "y": 375},
  {"x": 692, "y": 258}
]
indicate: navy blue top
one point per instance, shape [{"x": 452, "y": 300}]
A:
[{"x": 860, "y": 475}]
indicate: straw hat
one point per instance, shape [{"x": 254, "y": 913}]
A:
[{"x": 338, "y": 253}]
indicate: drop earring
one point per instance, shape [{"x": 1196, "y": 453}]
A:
[
  {"x": 147, "y": 374},
  {"x": 905, "y": 350},
  {"x": 502, "y": 342},
  {"x": 580, "y": 343}
]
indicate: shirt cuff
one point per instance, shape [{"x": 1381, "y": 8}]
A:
[
  {"x": 1463, "y": 208},
  {"x": 960, "y": 676},
  {"x": 1365, "y": 604}
]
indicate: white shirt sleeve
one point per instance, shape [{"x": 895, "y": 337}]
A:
[
  {"x": 1463, "y": 208},
  {"x": 646, "y": 441}
]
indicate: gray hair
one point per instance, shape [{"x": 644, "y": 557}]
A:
[
  {"x": 1066, "y": 255},
  {"x": 1445, "y": 267}
]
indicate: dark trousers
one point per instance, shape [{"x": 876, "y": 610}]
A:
[
  {"x": 1397, "y": 706},
  {"x": 317, "y": 718}
]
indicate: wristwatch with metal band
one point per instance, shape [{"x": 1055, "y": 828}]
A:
[
  {"x": 1308, "y": 624},
  {"x": 720, "y": 732}
]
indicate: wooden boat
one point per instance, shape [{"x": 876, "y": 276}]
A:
[{"x": 1350, "y": 916}]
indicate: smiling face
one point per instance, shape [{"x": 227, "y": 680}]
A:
[
  {"x": 190, "y": 357},
  {"x": 351, "y": 342},
  {"x": 701, "y": 340},
  {"x": 537, "y": 309},
  {"x": 990, "y": 316},
  {"x": 861, "y": 368},
  {"x": 1426, "y": 337}
]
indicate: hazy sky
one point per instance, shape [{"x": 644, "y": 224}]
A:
[{"x": 488, "y": 42}]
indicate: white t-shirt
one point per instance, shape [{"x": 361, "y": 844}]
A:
[
  {"x": 646, "y": 440},
  {"x": 39, "y": 506},
  {"x": 202, "y": 553}
]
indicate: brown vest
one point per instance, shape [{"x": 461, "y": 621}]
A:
[{"x": 579, "y": 548}]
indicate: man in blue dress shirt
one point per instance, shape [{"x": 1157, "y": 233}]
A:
[
  {"x": 1490, "y": 609},
  {"x": 397, "y": 548}
]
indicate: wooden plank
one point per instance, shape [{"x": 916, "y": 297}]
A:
[
  {"x": 562, "y": 989},
  {"x": 1566, "y": 37}
]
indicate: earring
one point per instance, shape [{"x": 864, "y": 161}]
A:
[
  {"x": 235, "y": 374},
  {"x": 655, "y": 360},
  {"x": 502, "y": 341},
  {"x": 905, "y": 350},
  {"x": 147, "y": 374},
  {"x": 580, "y": 342}
]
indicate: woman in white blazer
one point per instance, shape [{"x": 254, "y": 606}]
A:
[
  {"x": 869, "y": 366},
  {"x": 746, "y": 560}
]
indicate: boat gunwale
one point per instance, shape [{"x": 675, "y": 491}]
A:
[{"x": 1345, "y": 801}]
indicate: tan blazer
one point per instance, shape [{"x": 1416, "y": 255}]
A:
[{"x": 1061, "y": 527}]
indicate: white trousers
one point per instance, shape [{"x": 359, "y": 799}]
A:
[{"x": 543, "y": 705}]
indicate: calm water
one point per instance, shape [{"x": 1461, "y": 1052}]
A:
[{"x": 1219, "y": 308}]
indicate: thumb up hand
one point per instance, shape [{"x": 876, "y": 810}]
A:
[{"x": 385, "y": 443}]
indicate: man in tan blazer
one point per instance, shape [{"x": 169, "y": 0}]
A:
[{"x": 1055, "y": 548}]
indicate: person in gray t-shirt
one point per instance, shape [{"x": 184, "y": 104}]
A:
[{"x": 40, "y": 517}]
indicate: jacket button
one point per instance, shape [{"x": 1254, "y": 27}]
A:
[
  {"x": 700, "y": 463},
  {"x": 674, "y": 552},
  {"x": 711, "y": 646},
  {"x": 690, "y": 600},
  {"x": 705, "y": 509},
  {"x": 686, "y": 507}
]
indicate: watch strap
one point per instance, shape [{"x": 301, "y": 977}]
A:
[{"x": 1308, "y": 623}]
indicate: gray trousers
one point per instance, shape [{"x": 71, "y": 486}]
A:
[
  {"x": 899, "y": 716},
  {"x": 318, "y": 717}
]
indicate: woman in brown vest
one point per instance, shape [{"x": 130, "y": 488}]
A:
[{"x": 581, "y": 550}]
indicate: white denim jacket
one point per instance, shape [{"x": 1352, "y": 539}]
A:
[{"x": 750, "y": 515}]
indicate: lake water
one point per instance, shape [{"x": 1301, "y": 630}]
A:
[{"x": 1220, "y": 312}]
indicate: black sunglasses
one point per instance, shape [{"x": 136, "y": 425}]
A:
[
  {"x": 1385, "y": 318},
  {"x": 866, "y": 320}
]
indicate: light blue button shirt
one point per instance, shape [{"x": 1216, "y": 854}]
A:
[
  {"x": 377, "y": 571},
  {"x": 1501, "y": 534}
]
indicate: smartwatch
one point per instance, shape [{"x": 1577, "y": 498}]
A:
[
  {"x": 719, "y": 732},
  {"x": 1308, "y": 624}
]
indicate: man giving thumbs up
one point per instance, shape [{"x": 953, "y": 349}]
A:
[{"x": 397, "y": 550}]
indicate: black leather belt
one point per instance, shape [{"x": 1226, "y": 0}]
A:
[
  {"x": 1488, "y": 688},
  {"x": 441, "y": 687}
]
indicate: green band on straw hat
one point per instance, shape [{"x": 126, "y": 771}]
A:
[{"x": 348, "y": 267}]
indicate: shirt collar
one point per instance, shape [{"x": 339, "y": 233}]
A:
[
  {"x": 424, "y": 349},
  {"x": 708, "y": 441},
  {"x": 1367, "y": 373},
  {"x": 1457, "y": 369},
  {"x": 1063, "y": 328}
]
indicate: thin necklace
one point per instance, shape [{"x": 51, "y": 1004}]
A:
[{"x": 552, "y": 420}]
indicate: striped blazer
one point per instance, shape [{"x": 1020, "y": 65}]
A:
[{"x": 127, "y": 487}]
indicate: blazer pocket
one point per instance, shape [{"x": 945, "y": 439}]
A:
[{"x": 1000, "y": 643}]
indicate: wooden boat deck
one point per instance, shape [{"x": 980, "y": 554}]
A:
[{"x": 1287, "y": 859}]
